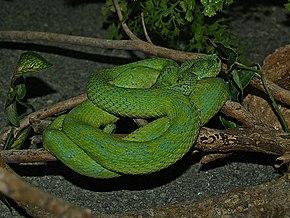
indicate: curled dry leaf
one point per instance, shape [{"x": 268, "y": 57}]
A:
[
  {"x": 276, "y": 67},
  {"x": 284, "y": 159}
]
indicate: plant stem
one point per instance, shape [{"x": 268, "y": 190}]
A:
[
  {"x": 274, "y": 104},
  {"x": 268, "y": 92}
]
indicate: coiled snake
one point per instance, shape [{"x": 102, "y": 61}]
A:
[{"x": 181, "y": 98}]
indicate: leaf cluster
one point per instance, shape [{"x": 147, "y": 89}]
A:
[
  {"x": 287, "y": 5},
  {"x": 29, "y": 62},
  {"x": 183, "y": 25}
]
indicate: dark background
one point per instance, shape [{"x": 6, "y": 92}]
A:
[{"x": 261, "y": 27}]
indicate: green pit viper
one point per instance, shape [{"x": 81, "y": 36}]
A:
[{"x": 181, "y": 98}]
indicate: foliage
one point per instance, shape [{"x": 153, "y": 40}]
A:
[
  {"x": 210, "y": 6},
  {"x": 238, "y": 76},
  {"x": 183, "y": 25},
  {"x": 287, "y": 5},
  {"x": 28, "y": 62}
]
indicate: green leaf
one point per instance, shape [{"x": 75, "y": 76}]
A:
[
  {"x": 210, "y": 6},
  {"x": 237, "y": 80},
  {"x": 240, "y": 81},
  {"x": 10, "y": 139},
  {"x": 241, "y": 77},
  {"x": 227, "y": 123},
  {"x": 12, "y": 114},
  {"x": 11, "y": 95},
  {"x": 27, "y": 105},
  {"x": 20, "y": 138},
  {"x": 28, "y": 62},
  {"x": 177, "y": 30},
  {"x": 287, "y": 5},
  {"x": 20, "y": 88},
  {"x": 226, "y": 54},
  {"x": 31, "y": 62}
]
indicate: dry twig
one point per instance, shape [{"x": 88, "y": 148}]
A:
[{"x": 144, "y": 29}]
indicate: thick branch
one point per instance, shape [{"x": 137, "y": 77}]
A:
[
  {"x": 209, "y": 140},
  {"x": 17, "y": 189},
  {"x": 124, "y": 25},
  {"x": 246, "y": 140},
  {"x": 239, "y": 202},
  {"x": 241, "y": 114},
  {"x": 137, "y": 45},
  {"x": 27, "y": 156},
  {"x": 278, "y": 92}
]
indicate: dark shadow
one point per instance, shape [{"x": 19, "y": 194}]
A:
[
  {"x": 36, "y": 87},
  {"x": 242, "y": 157},
  {"x": 248, "y": 4},
  {"x": 71, "y": 53},
  {"x": 126, "y": 182},
  {"x": 287, "y": 20},
  {"x": 74, "y": 3},
  {"x": 16, "y": 207},
  {"x": 125, "y": 125},
  {"x": 248, "y": 7},
  {"x": 140, "y": 182}
]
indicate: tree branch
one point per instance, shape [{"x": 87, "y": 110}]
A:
[
  {"x": 209, "y": 141},
  {"x": 280, "y": 94},
  {"x": 17, "y": 189},
  {"x": 124, "y": 25},
  {"x": 136, "y": 45},
  {"x": 241, "y": 114},
  {"x": 232, "y": 109}
]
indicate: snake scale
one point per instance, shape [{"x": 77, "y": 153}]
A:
[{"x": 178, "y": 98}]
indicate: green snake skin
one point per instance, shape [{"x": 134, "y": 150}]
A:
[{"x": 181, "y": 98}]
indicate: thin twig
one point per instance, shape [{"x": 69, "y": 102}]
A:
[
  {"x": 124, "y": 25},
  {"x": 145, "y": 29},
  {"x": 273, "y": 102}
]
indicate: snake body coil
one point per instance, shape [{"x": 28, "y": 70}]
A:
[{"x": 181, "y": 98}]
